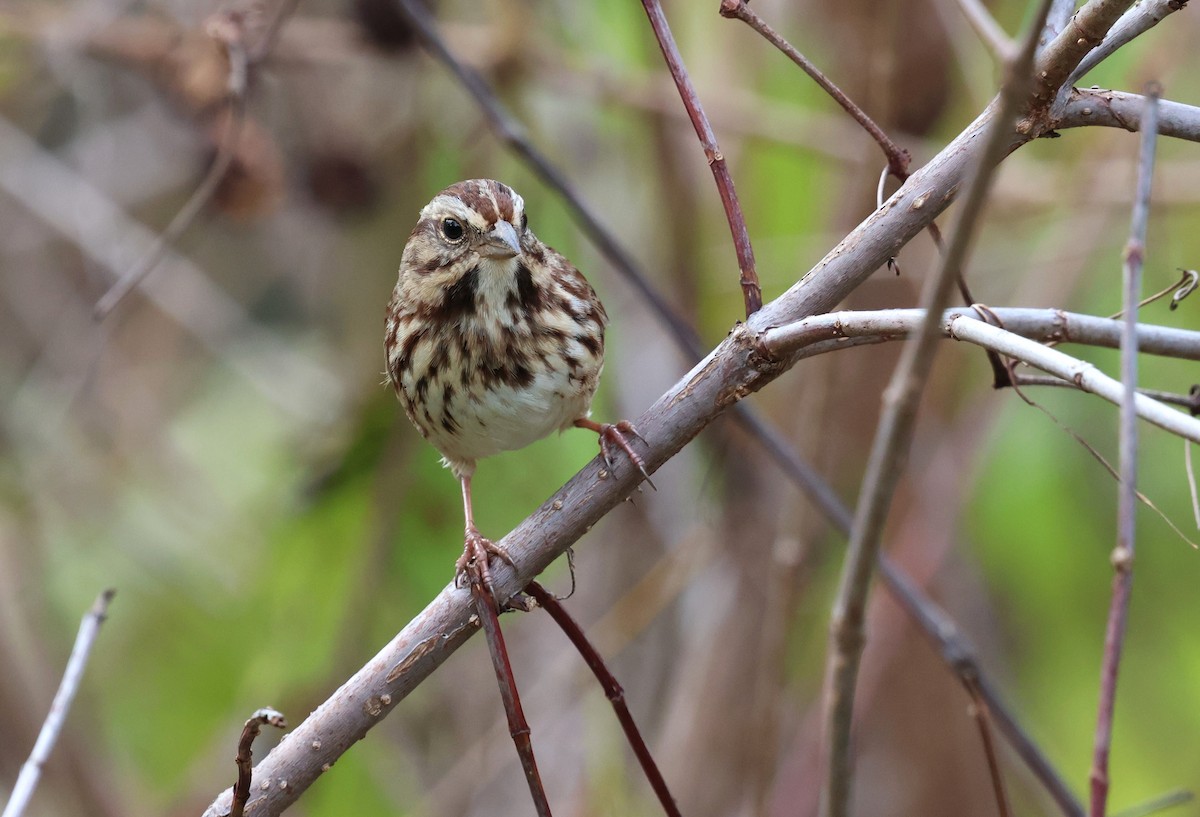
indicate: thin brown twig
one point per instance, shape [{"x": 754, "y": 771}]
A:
[
  {"x": 612, "y": 690},
  {"x": 1123, "y": 554},
  {"x": 983, "y": 720},
  {"x": 229, "y": 31},
  {"x": 893, "y": 439},
  {"x": 897, "y": 157},
  {"x": 31, "y": 770},
  {"x": 518, "y": 727},
  {"x": 245, "y": 755},
  {"x": 986, "y": 27},
  {"x": 226, "y": 150},
  {"x": 751, "y": 289},
  {"x": 1178, "y": 291}
]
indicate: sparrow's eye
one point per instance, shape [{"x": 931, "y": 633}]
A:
[{"x": 452, "y": 230}]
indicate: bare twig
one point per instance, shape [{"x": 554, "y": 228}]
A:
[
  {"x": 957, "y": 324},
  {"x": 31, "y": 771},
  {"x": 518, "y": 728},
  {"x": 892, "y": 442},
  {"x": 1178, "y": 291},
  {"x": 230, "y": 37},
  {"x": 1166, "y": 801},
  {"x": 612, "y": 689},
  {"x": 245, "y": 755},
  {"x": 751, "y": 290},
  {"x": 108, "y": 236},
  {"x": 1123, "y": 554},
  {"x": 985, "y": 25},
  {"x": 226, "y": 150},
  {"x": 1118, "y": 109},
  {"x": 983, "y": 719},
  {"x": 1191, "y": 480},
  {"x": 229, "y": 30},
  {"x": 835, "y": 330},
  {"x": 897, "y": 157}
]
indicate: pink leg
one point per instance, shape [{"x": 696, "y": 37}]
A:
[{"x": 477, "y": 551}]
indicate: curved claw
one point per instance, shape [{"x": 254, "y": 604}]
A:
[
  {"x": 473, "y": 566},
  {"x": 614, "y": 434}
]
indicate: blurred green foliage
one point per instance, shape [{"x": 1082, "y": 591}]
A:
[{"x": 261, "y": 557}]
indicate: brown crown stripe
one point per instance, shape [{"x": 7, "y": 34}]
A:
[{"x": 491, "y": 199}]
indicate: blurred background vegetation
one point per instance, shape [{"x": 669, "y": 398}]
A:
[{"x": 221, "y": 450}]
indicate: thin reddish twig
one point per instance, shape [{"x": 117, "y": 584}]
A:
[
  {"x": 518, "y": 727},
  {"x": 751, "y": 290},
  {"x": 612, "y": 690},
  {"x": 1122, "y": 555},
  {"x": 897, "y": 157}
]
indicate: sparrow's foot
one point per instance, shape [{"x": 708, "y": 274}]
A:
[
  {"x": 473, "y": 566},
  {"x": 614, "y": 435}
]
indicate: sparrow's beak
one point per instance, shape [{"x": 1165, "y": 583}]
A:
[{"x": 501, "y": 242}]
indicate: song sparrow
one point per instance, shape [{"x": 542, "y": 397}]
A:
[{"x": 493, "y": 340}]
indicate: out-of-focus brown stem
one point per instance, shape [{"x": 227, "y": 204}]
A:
[
  {"x": 751, "y": 290},
  {"x": 227, "y": 29},
  {"x": 612, "y": 690}
]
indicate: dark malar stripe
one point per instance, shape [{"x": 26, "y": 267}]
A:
[
  {"x": 459, "y": 300},
  {"x": 528, "y": 293}
]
